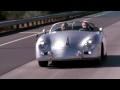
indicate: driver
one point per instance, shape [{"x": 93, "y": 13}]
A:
[
  {"x": 64, "y": 26},
  {"x": 85, "y": 25}
]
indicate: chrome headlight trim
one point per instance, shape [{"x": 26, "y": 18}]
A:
[
  {"x": 43, "y": 45},
  {"x": 90, "y": 44}
]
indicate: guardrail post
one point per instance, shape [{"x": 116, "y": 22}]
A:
[
  {"x": 25, "y": 25},
  {"x": 30, "y": 24},
  {"x": 52, "y": 20},
  {"x": 45, "y": 21},
  {"x": 38, "y": 22},
  {"x": 42, "y": 22},
  {"x": 34, "y": 23},
  {"x": 20, "y": 25},
  {"x": 14, "y": 27},
  {"x": 49, "y": 20}
]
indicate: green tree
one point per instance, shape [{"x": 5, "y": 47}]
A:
[{"x": 11, "y": 15}]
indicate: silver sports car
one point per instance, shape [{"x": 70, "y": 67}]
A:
[{"x": 74, "y": 43}]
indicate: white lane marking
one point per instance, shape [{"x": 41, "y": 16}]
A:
[
  {"x": 19, "y": 39},
  {"x": 29, "y": 32},
  {"x": 103, "y": 14},
  {"x": 86, "y": 19},
  {"x": 98, "y": 15}
]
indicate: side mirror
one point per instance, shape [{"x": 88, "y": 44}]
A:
[
  {"x": 44, "y": 31},
  {"x": 100, "y": 29}
]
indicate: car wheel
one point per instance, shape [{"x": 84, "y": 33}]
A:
[
  {"x": 43, "y": 63},
  {"x": 105, "y": 56},
  {"x": 102, "y": 52},
  {"x": 99, "y": 61}
]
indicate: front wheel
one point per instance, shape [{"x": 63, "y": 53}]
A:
[
  {"x": 43, "y": 63},
  {"x": 99, "y": 61},
  {"x": 105, "y": 56}
]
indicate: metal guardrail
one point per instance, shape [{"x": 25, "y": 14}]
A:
[{"x": 28, "y": 22}]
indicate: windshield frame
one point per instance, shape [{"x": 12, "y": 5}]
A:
[{"x": 75, "y": 25}]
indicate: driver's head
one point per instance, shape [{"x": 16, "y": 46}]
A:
[
  {"x": 84, "y": 24},
  {"x": 64, "y": 26}
]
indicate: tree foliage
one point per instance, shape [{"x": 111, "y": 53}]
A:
[{"x": 11, "y": 15}]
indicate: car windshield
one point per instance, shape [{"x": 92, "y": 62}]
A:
[{"x": 71, "y": 26}]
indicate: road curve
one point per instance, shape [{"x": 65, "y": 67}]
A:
[{"x": 18, "y": 58}]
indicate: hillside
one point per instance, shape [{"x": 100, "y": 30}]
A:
[{"x": 11, "y": 15}]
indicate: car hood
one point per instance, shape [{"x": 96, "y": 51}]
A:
[{"x": 69, "y": 38}]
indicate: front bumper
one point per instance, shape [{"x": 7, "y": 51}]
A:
[{"x": 68, "y": 54}]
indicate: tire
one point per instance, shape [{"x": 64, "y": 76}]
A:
[
  {"x": 43, "y": 63},
  {"x": 99, "y": 61},
  {"x": 102, "y": 52},
  {"x": 105, "y": 56}
]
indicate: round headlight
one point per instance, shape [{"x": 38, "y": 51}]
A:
[
  {"x": 90, "y": 44},
  {"x": 43, "y": 45},
  {"x": 89, "y": 41}
]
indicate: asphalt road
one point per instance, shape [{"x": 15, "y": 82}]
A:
[{"x": 17, "y": 54}]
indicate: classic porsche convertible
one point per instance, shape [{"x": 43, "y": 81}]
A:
[{"x": 72, "y": 44}]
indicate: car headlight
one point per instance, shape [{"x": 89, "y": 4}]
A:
[
  {"x": 90, "y": 44},
  {"x": 43, "y": 45}
]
